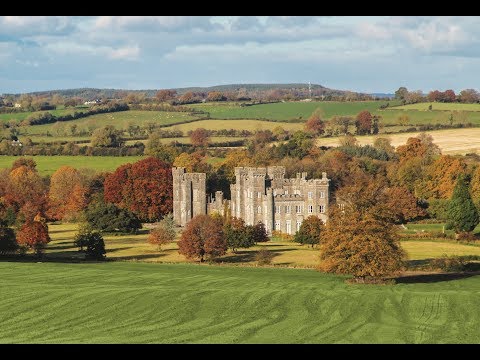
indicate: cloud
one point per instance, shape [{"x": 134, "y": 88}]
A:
[
  {"x": 69, "y": 48},
  {"x": 153, "y": 23}
]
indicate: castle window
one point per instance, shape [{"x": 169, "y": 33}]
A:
[
  {"x": 310, "y": 209},
  {"x": 299, "y": 223},
  {"x": 299, "y": 209},
  {"x": 259, "y": 194},
  {"x": 259, "y": 209},
  {"x": 296, "y": 192},
  {"x": 310, "y": 195},
  {"x": 289, "y": 227},
  {"x": 277, "y": 225},
  {"x": 288, "y": 209},
  {"x": 277, "y": 209},
  {"x": 322, "y": 194},
  {"x": 286, "y": 192},
  {"x": 321, "y": 209}
]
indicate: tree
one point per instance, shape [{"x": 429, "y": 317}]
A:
[
  {"x": 156, "y": 148},
  {"x": 144, "y": 188},
  {"x": 315, "y": 125},
  {"x": 403, "y": 204},
  {"x": 34, "y": 234},
  {"x": 164, "y": 233},
  {"x": 462, "y": 213},
  {"x": 401, "y": 93},
  {"x": 258, "y": 232},
  {"x": 8, "y": 243},
  {"x": 93, "y": 241},
  {"x": 216, "y": 96},
  {"x": 449, "y": 96},
  {"x": 348, "y": 141},
  {"x": 107, "y": 217},
  {"x": 237, "y": 235},
  {"x": 193, "y": 162},
  {"x": 469, "y": 96},
  {"x": 29, "y": 163},
  {"x": 107, "y": 136},
  {"x": 165, "y": 95},
  {"x": 200, "y": 137},
  {"x": 202, "y": 237},
  {"x": 310, "y": 231},
  {"x": 66, "y": 195},
  {"x": 363, "y": 122}
]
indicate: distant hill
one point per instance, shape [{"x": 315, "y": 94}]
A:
[
  {"x": 302, "y": 88},
  {"x": 382, "y": 95}
]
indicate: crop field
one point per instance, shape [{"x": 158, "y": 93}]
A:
[
  {"x": 186, "y": 140},
  {"x": 47, "y": 165},
  {"x": 451, "y": 141},
  {"x": 121, "y": 120},
  {"x": 439, "y": 106},
  {"x": 124, "y": 302},
  {"x": 251, "y": 125}
]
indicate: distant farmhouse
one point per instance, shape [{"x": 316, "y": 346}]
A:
[
  {"x": 92, "y": 102},
  {"x": 259, "y": 195}
]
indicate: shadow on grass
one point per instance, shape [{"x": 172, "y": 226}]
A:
[
  {"x": 136, "y": 257},
  {"x": 433, "y": 278}
]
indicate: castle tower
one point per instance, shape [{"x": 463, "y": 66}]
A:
[{"x": 189, "y": 195}]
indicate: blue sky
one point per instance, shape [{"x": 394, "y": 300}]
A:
[{"x": 367, "y": 54}]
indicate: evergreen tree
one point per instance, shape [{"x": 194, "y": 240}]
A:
[{"x": 462, "y": 213}]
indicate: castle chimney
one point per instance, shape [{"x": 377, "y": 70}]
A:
[{"x": 324, "y": 175}]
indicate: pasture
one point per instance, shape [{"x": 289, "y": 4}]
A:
[
  {"x": 242, "y": 124},
  {"x": 125, "y": 302},
  {"x": 439, "y": 106},
  {"x": 450, "y": 141},
  {"x": 7, "y": 117},
  {"x": 47, "y": 165}
]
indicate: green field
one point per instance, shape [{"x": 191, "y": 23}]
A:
[
  {"x": 121, "y": 120},
  {"x": 184, "y": 303},
  {"x": 251, "y": 125},
  {"x": 440, "y": 106},
  {"x": 23, "y": 115},
  {"x": 47, "y": 165}
]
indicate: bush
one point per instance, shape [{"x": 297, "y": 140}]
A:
[
  {"x": 448, "y": 263},
  {"x": 107, "y": 217},
  {"x": 94, "y": 243},
  {"x": 466, "y": 236},
  {"x": 8, "y": 243},
  {"x": 264, "y": 257}
]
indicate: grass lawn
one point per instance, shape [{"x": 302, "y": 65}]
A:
[
  {"x": 47, "y": 165},
  {"x": 23, "y": 115},
  {"x": 184, "y": 303},
  {"x": 286, "y": 253},
  {"x": 451, "y": 141}
]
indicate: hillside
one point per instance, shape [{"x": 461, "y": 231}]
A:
[{"x": 91, "y": 93}]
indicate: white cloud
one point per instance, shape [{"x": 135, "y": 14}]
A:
[{"x": 119, "y": 53}]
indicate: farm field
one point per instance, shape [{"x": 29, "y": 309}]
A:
[
  {"x": 120, "y": 119},
  {"x": 47, "y": 165},
  {"x": 242, "y": 124},
  {"x": 23, "y": 115},
  {"x": 439, "y": 106},
  {"x": 186, "y": 140},
  {"x": 451, "y": 141},
  {"x": 287, "y": 253},
  {"x": 184, "y": 303}
]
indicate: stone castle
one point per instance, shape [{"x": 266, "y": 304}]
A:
[{"x": 259, "y": 195}]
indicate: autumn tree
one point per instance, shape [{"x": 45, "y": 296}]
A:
[
  {"x": 194, "y": 162},
  {"x": 315, "y": 125},
  {"x": 66, "y": 195},
  {"x": 165, "y": 95},
  {"x": 24, "y": 161},
  {"x": 462, "y": 213},
  {"x": 384, "y": 144},
  {"x": 360, "y": 238},
  {"x": 203, "y": 237},
  {"x": 309, "y": 232},
  {"x": 163, "y": 233},
  {"x": 156, "y": 148},
  {"x": 469, "y": 96},
  {"x": 144, "y": 187},
  {"x": 34, "y": 235},
  {"x": 363, "y": 122},
  {"x": 403, "y": 204},
  {"x": 216, "y": 96},
  {"x": 107, "y": 136},
  {"x": 200, "y": 137},
  {"x": 258, "y": 232}
]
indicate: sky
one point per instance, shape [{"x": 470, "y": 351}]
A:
[{"x": 365, "y": 54}]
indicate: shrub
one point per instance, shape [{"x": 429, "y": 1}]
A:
[
  {"x": 264, "y": 257},
  {"x": 448, "y": 263}
]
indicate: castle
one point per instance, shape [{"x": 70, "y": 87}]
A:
[{"x": 258, "y": 195}]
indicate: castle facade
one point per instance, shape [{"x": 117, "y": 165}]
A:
[{"x": 260, "y": 194}]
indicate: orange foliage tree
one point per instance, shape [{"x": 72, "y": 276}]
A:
[
  {"x": 203, "y": 237},
  {"x": 363, "y": 122},
  {"x": 200, "y": 137},
  {"x": 403, "y": 204},
  {"x": 360, "y": 238},
  {"x": 66, "y": 195},
  {"x": 34, "y": 235},
  {"x": 144, "y": 188}
]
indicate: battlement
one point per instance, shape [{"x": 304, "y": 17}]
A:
[{"x": 289, "y": 196}]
